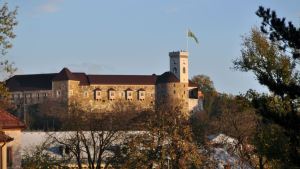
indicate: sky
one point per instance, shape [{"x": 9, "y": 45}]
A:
[{"x": 135, "y": 36}]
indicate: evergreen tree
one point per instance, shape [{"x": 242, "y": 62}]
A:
[{"x": 265, "y": 54}]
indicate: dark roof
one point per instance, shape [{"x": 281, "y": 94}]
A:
[
  {"x": 30, "y": 82},
  {"x": 167, "y": 77},
  {"x": 82, "y": 78},
  {"x": 64, "y": 74},
  {"x": 5, "y": 138},
  {"x": 122, "y": 79},
  {"x": 44, "y": 81},
  {"x": 8, "y": 121}
]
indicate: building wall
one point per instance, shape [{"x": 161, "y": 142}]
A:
[
  {"x": 30, "y": 97},
  {"x": 174, "y": 94},
  {"x": 16, "y": 147},
  {"x": 86, "y": 95},
  {"x": 60, "y": 90}
]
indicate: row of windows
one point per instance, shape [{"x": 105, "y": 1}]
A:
[
  {"x": 112, "y": 94},
  {"x": 28, "y": 95}
]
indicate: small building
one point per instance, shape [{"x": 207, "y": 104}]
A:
[{"x": 10, "y": 140}]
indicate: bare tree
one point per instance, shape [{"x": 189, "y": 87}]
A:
[
  {"x": 166, "y": 142},
  {"x": 238, "y": 120},
  {"x": 93, "y": 137}
]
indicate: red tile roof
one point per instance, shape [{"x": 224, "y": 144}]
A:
[{"x": 8, "y": 121}]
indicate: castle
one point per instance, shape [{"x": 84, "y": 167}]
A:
[{"x": 103, "y": 91}]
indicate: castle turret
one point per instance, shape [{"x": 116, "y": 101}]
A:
[{"x": 179, "y": 65}]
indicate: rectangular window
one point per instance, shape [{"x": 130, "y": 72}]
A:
[
  {"x": 97, "y": 94},
  {"x": 111, "y": 94},
  {"x": 9, "y": 156},
  {"x": 142, "y": 95},
  {"x": 129, "y": 95}
]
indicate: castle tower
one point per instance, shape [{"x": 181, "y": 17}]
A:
[{"x": 179, "y": 65}]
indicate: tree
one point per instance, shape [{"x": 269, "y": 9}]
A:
[
  {"x": 40, "y": 158},
  {"x": 166, "y": 142},
  {"x": 206, "y": 86},
  {"x": 278, "y": 31},
  {"x": 238, "y": 120},
  {"x": 94, "y": 135},
  {"x": 7, "y": 25},
  {"x": 277, "y": 70}
]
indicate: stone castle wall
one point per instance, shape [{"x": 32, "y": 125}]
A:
[
  {"x": 106, "y": 102},
  {"x": 175, "y": 94}
]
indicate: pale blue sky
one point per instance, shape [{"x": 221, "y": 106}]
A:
[{"x": 135, "y": 36}]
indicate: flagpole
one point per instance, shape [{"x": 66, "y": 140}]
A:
[{"x": 187, "y": 40}]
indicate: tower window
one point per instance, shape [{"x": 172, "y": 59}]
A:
[
  {"x": 58, "y": 93},
  {"x": 183, "y": 70},
  {"x": 175, "y": 70}
]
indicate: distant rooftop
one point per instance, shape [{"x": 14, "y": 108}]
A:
[{"x": 44, "y": 81}]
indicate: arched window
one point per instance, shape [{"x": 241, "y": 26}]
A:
[
  {"x": 174, "y": 70},
  {"x": 183, "y": 70}
]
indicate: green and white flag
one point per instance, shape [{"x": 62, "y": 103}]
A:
[{"x": 192, "y": 35}]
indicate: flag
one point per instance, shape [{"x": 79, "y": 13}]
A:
[{"x": 192, "y": 35}]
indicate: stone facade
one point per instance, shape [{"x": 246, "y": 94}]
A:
[{"x": 104, "y": 91}]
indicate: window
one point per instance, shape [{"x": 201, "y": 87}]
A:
[
  {"x": 141, "y": 94},
  {"x": 58, "y": 93},
  {"x": 183, "y": 70},
  {"x": 9, "y": 156},
  {"x": 129, "y": 94},
  {"x": 111, "y": 94},
  {"x": 85, "y": 94},
  {"x": 97, "y": 94},
  {"x": 174, "y": 70}
]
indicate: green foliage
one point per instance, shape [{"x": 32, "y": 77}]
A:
[
  {"x": 7, "y": 25},
  {"x": 272, "y": 143},
  {"x": 279, "y": 31},
  {"x": 277, "y": 70},
  {"x": 206, "y": 86}
]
